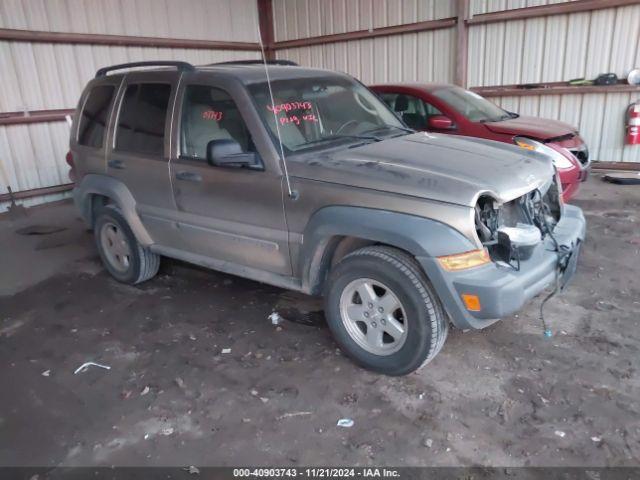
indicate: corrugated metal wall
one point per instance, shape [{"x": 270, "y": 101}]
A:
[
  {"x": 425, "y": 56},
  {"x": 311, "y": 18},
  {"x": 486, "y": 6},
  {"x": 559, "y": 48},
  {"x": 41, "y": 76}
]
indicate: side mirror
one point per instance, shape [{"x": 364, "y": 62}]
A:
[
  {"x": 228, "y": 153},
  {"x": 440, "y": 122}
]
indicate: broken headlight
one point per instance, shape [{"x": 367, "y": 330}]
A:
[{"x": 511, "y": 231}]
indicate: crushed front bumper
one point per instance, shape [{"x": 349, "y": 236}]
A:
[{"x": 502, "y": 290}]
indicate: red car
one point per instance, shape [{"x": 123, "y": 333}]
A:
[{"x": 450, "y": 109}]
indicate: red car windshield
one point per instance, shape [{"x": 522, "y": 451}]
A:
[{"x": 471, "y": 105}]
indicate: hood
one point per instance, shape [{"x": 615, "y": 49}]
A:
[
  {"x": 533, "y": 127},
  {"x": 444, "y": 168}
]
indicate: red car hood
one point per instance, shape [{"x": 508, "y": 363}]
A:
[{"x": 532, "y": 127}]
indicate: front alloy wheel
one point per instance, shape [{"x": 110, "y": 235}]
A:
[
  {"x": 383, "y": 312},
  {"x": 373, "y": 316}
]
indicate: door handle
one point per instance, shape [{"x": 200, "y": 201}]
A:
[
  {"x": 189, "y": 176},
  {"x": 117, "y": 164}
]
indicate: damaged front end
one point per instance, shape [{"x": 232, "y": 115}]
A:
[{"x": 510, "y": 231}]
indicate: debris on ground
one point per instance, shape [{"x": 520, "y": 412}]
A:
[
  {"x": 226, "y": 350},
  {"x": 275, "y": 318},
  {"x": 596, "y": 439},
  {"x": 46, "y": 373},
  {"x": 144, "y": 391},
  {"x": 192, "y": 470},
  {"x": 623, "y": 178},
  {"x": 167, "y": 431},
  {"x": 86, "y": 365},
  {"x": 560, "y": 433},
  {"x": 293, "y": 414},
  {"x": 427, "y": 442},
  {"x": 180, "y": 383},
  {"x": 345, "y": 423}
]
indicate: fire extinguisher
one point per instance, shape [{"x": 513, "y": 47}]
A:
[{"x": 632, "y": 123}]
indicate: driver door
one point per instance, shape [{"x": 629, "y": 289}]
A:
[{"x": 228, "y": 213}]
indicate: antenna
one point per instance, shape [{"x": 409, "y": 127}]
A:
[{"x": 291, "y": 193}]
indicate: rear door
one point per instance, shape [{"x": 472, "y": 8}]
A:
[
  {"x": 140, "y": 147},
  {"x": 226, "y": 213}
]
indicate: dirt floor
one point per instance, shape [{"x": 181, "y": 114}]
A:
[{"x": 504, "y": 396}]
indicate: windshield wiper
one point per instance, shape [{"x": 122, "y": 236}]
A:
[
  {"x": 506, "y": 116},
  {"x": 337, "y": 137},
  {"x": 404, "y": 129}
]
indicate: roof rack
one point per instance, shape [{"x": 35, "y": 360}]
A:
[
  {"x": 257, "y": 61},
  {"x": 181, "y": 66}
]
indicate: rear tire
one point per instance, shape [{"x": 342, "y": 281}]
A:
[
  {"x": 383, "y": 312},
  {"x": 121, "y": 253}
]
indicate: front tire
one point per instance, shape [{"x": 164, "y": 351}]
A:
[
  {"x": 121, "y": 253},
  {"x": 383, "y": 312}
]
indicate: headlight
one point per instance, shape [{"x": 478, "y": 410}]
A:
[
  {"x": 462, "y": 261},
  {"x": 559, "y": 160}
]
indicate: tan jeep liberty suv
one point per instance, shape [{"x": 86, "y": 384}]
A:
[{"x": 309, "y": 182}]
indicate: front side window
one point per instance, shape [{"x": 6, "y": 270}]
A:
[
  {"x": 141, "y": 123},
  {"x": 94, "y": 116},
  {"x": 412, "y": 110},
  {"x": 471, "y": 105},
  {"x": 319, "y": 112},
  {"x": 208, "y": 114}
]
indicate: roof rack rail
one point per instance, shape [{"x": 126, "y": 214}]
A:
[
  {"x": 181, "y": 66},
  {"x": 258, "y": 61}
]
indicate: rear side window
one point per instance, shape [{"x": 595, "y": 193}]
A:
[
  {"x": 142, "y": 119},
  {"x": 94, "y": 116}
]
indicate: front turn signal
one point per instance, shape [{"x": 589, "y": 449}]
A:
[
  {"x": 472, "y": 302},
  {"x": 462, "y": 261}
]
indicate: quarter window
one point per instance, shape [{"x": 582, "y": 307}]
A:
[
  {"x": 141, "y": 124},
  {"x": 209, "y": 113},
  {"x": 94, "y": 116}
]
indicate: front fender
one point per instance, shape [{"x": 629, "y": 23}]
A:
[
  {"x": 120, "y": 195},
  {"x": 422, "y": 237}
]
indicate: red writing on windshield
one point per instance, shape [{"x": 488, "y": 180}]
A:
[
  {"x": 289, "y": 106},
  {"x": 310, "y": 117},
  {"x": 212, "y": 115}
]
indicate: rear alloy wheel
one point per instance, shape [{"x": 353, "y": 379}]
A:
[
  {"x": 125, "y": 259},
  {"x": 383, "y": 311},
  {"x": 115, "y": 246}
]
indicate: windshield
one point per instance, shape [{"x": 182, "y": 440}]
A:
[
  {"x": 472, "y": 105},
  {"x": 321, "y": 112}
]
